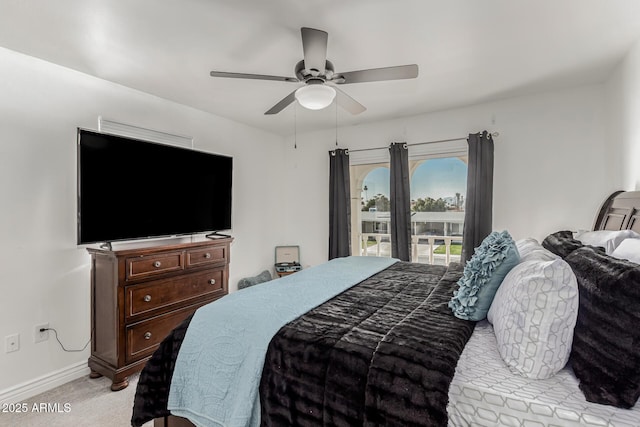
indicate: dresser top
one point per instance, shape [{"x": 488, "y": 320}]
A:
[{"x": 125, "y": 248}]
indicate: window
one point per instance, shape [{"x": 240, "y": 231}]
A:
[
  {"x": 438, "y": 188},
  {"x": 371, "y": 211}
]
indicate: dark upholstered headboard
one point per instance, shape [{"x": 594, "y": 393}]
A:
[{"x": 621, "y": 211}]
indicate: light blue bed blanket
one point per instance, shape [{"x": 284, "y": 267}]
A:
[{"x": 218, "y": 369}]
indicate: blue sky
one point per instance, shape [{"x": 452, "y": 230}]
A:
[{"x": 433, "y": 178}]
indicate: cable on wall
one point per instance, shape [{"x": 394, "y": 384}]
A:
[{"x": 62, "y": 345}]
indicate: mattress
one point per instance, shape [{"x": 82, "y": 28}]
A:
[{"x": 484, "y": 392}]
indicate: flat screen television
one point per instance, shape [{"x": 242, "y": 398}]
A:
[{"x": 131, "y": 189}]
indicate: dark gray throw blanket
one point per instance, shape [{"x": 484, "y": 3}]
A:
[
  {"x": 605, "y": 354},
  {"x": 381, "y": 353},
  {"x": 606, "y": 344},
  {"x": 561, "y": 243}
]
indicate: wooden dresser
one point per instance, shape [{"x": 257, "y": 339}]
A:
[{"x": 139, "y": 295}]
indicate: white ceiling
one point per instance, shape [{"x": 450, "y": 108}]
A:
[{"x": 468, "y": 51}]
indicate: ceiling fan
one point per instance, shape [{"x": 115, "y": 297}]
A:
[{"x": 320, "y": 79}]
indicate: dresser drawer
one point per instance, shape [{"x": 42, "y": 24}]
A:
[
  {"x": 152, "y": 265},
  {"x": 143, "y": 338},
  {"x": 158, "y": 294},
  {"x": 206, "y": 256}
]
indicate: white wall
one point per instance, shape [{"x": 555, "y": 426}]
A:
[
  {"x": 553, "y": 168},
  {"x": 623, "y": 126},
  {"x": 44, "y": 276},
  {"x": 550, "y": 172}
]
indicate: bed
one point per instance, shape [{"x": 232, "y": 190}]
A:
[{"x": 382, "y": 349}]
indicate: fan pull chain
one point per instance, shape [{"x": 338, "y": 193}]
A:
[
  {"x": 336, "y": 101},
  {"x": 295, "y": 126}
]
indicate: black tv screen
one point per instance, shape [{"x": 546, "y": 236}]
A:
[{"x": 132, "y": 189}]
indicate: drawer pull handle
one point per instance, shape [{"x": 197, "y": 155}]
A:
[
  {"x": 147, "y": 336},
  {"x": 157, "y": 264},
  {"x": 207, "y": 255},
  {"x": 212, "y": 281},
  {"x": 147, "y": 298}
]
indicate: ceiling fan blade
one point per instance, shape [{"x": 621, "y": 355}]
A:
[
  {"x": 252, "y": 76},
  {"x": 348, "y": 103},
  {"x": 314, "y": 46},
  {"x": 377, "y": 74},
  {"x": 282, "y": 104}
]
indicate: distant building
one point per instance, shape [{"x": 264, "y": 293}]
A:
[{"x": 449, "y": 223}]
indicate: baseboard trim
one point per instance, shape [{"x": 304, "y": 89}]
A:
[{"x": 44, "y": 383}]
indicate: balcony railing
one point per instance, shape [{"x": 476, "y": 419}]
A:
[{"x": 422, "y": 247}]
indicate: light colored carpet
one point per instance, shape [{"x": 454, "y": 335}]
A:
[{"x": 91, "y": 403}]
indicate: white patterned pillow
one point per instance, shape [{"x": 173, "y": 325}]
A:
[
  {"x": 527, "y": 245},
  {"x": 541, "y": 254},
  {"x": 530, "y": 249},
  {"x": 533, "y": 315}
]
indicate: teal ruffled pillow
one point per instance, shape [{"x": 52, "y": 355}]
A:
[{"x": 482, "y": 276}]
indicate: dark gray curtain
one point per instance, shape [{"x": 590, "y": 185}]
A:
[
  {"x": 339, "y": 204},
  {"x": 400, "y": 202},
  {"x": 478, "y": 208}
]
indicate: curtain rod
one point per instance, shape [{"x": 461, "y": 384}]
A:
[{"x": 422, "y": 143}]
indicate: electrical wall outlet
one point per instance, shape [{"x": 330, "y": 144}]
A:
[
  {"x": 41, "y": 336},
  {"x": 12, "y": 343}
]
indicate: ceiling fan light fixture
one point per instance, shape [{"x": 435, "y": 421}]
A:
[{"x": 315, "y": 96}]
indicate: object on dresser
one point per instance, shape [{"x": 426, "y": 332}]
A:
[
  {"x": 187, "y": 191},
  {"x": 287, "y": 259},
  {"x": 139, "y": 294}
]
